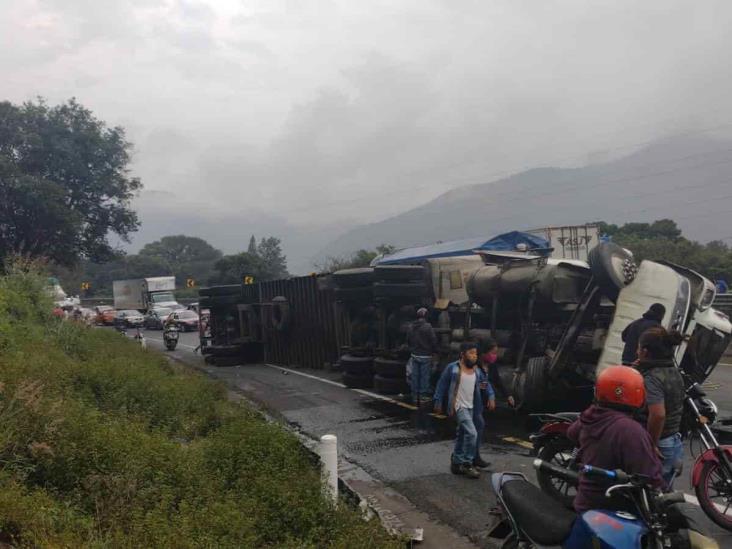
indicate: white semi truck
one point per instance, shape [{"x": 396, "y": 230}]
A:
[{"x": 144, "y": 293}]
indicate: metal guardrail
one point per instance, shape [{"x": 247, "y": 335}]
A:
[{"x": 723, "y": 302}]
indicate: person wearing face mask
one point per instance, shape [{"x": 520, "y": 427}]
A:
[
  {"x": 462, "y": 388},
  {"x": 488, "y": 362}
]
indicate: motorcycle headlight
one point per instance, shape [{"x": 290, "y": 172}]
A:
[{"x": 708, "y": 409}]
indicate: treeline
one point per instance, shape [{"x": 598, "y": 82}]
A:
[
  {"x": 663, "y": 239},
  {"x": 185, "y": 257}
]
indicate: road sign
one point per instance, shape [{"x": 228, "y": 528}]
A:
[
  {"x": 85, "y": 286},
  {"x": 190, "y": 283},
  {"x": 248, "y": 280}
]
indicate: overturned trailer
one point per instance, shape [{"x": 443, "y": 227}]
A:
[{"x": 556, "y": 321}]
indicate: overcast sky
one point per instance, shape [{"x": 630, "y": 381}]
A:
[{"x": 324, "y": 111}]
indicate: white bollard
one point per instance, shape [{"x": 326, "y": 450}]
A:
[{"x": 329, "y": 459}]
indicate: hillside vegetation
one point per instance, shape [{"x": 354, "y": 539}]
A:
[{"x": 103, "y": 444}]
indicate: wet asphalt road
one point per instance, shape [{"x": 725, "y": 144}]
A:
[{"x": 407, "y": 449}]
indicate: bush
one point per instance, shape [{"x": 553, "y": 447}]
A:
[{"x": 104, "y": 444}]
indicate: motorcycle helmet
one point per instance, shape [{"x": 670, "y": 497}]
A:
[{"x": 620, "y": 387}]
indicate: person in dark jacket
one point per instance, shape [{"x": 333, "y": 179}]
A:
[
  {"x": 665, "y": 391},
  {"x": 652, "y": 317},
  {"x": 609, "y": 437},
  {"x": 422, "y": 343}
]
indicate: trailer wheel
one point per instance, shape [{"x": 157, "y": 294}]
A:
[
  {"x": 613, "y": 268},
  {"x": 357, "y": 381},
  {"x": 390, "y": 385},
  {"x": 357, "y": 365},
  {"x": 530, "y": 386},
  {"x": 281, "y": 316},
  {"x": 384, "y": 367},
  {"x": 399, "y": 273},
  {"x": 353, "y": 278},
  {"x": 230, "y": 289}
]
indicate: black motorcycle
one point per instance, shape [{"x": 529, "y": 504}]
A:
[
  {"x": 550, "y": 444},
  {"x": 170, "y": 337},
  {"x": 534, "y": 520}
]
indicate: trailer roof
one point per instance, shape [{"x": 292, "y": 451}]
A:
[{"x": 503, "y": 242}]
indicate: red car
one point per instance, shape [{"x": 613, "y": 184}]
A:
[{"x": 187, "y": 320}]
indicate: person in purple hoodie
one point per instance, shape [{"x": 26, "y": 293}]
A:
[{"x": 609, "y": 437}]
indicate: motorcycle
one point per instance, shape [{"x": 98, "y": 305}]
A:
[
  {"x": 535, "y": 521},
  {"x": 170, "y": 337},
  {"x": 550, "y": 444},
  {"x": 711, "y": 476}
]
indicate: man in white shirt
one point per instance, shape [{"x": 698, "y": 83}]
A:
[{"x": 460, "y": 385}]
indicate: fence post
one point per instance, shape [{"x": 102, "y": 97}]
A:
[{"x": 329, "y": 460}]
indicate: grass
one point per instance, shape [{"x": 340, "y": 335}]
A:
[{"x": 103, "y": 444}]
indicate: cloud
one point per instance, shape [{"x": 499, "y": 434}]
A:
[{"x": 336, "y": 112}]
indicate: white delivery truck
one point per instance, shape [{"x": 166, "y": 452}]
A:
[{"x": 144, "y": 293}]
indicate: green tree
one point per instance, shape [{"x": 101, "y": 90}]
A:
[
  {"x": 64, "y": 183},
  {"x": 231, "y": 269},
  {"x": 274, "y": 262},
  {"x": 252, "y": 249},
  {"x": 359, "y": 258},
  {"x": 184, "y": 256}
]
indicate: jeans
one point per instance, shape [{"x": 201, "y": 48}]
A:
[
  {"x": 466, "y": 438},
  {"x": 672, "y": 449},
  {"x": 479, "y": 423},
  {"x": 420, "y": 378}
]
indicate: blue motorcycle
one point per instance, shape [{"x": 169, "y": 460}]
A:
[{"x": 534, "y": 519}]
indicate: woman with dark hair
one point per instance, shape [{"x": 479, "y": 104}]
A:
[{"x": 664, "y": 395}]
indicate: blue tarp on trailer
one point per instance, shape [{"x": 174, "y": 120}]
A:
[{"x": 503, "y": 242}]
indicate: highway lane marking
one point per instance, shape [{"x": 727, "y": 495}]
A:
[{"x": 361, "y": 391}]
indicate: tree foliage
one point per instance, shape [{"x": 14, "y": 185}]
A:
[
  {"x": 359, "y": 258},
  {"x": 663, "y": 239},
  {"x": 263, "y": 261},
  {"x": 64, "y": 183}
]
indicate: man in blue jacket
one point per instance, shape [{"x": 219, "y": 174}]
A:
[{"x": 462, "y": 387}]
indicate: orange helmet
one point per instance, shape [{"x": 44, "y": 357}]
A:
[{"x": 620, "y": 386}]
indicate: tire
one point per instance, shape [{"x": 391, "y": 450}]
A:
[
  {"x": 224, "y": 361},
  {"x": 553, "y": 452},
  {"x": 353, "y": 278},
  {"x": 530, "y": 386},
  {"x": 394, "y": 290},
  {"x": 612, "y": 267},
  {"x": 390, "y": 385},
  {"x": 394, "y": 369},
  {"x": 281, "y": 316},
  {"x": 357, "y": 365},
  {"x": 713, "y": 474},
  {"x": 357, "y": 381},
  {"x": 354, "y": 295},
  {"x": 230, "y": 289},
  {"x": 225, "y": 350},
  {"x": 399, "y": 273}
]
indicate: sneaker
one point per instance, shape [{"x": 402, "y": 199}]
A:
[
  {"x": 469, "y": 471},
  {"x": 455, "y": 467},
  {"x": 480, "y": 463}
]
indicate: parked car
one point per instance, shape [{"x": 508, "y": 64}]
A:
[
  {"x": 130, "y": 318},
  {"x": 105, "y": 315},
  {"x": 155, "y": 318},
  {"x": 187, "y": 321}
]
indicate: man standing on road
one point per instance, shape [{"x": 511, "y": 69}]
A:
[
  {"x": 651, "y": 318},
  {"x": 422, "y": 343},
  {"x": 460, "y": 387}
]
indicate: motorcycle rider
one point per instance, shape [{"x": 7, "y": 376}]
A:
[
  {"x": 664, "y": 395},
  {"x": 609, "y": 437},
  {"x": 460, "y": 385}
]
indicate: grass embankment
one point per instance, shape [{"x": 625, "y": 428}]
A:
[{"x": 103, "y": 444}]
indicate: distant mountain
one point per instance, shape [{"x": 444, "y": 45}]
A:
[{"x": 686, "y": 179}]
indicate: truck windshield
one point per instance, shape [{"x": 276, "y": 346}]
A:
[{"x": 162, "y": 297}]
